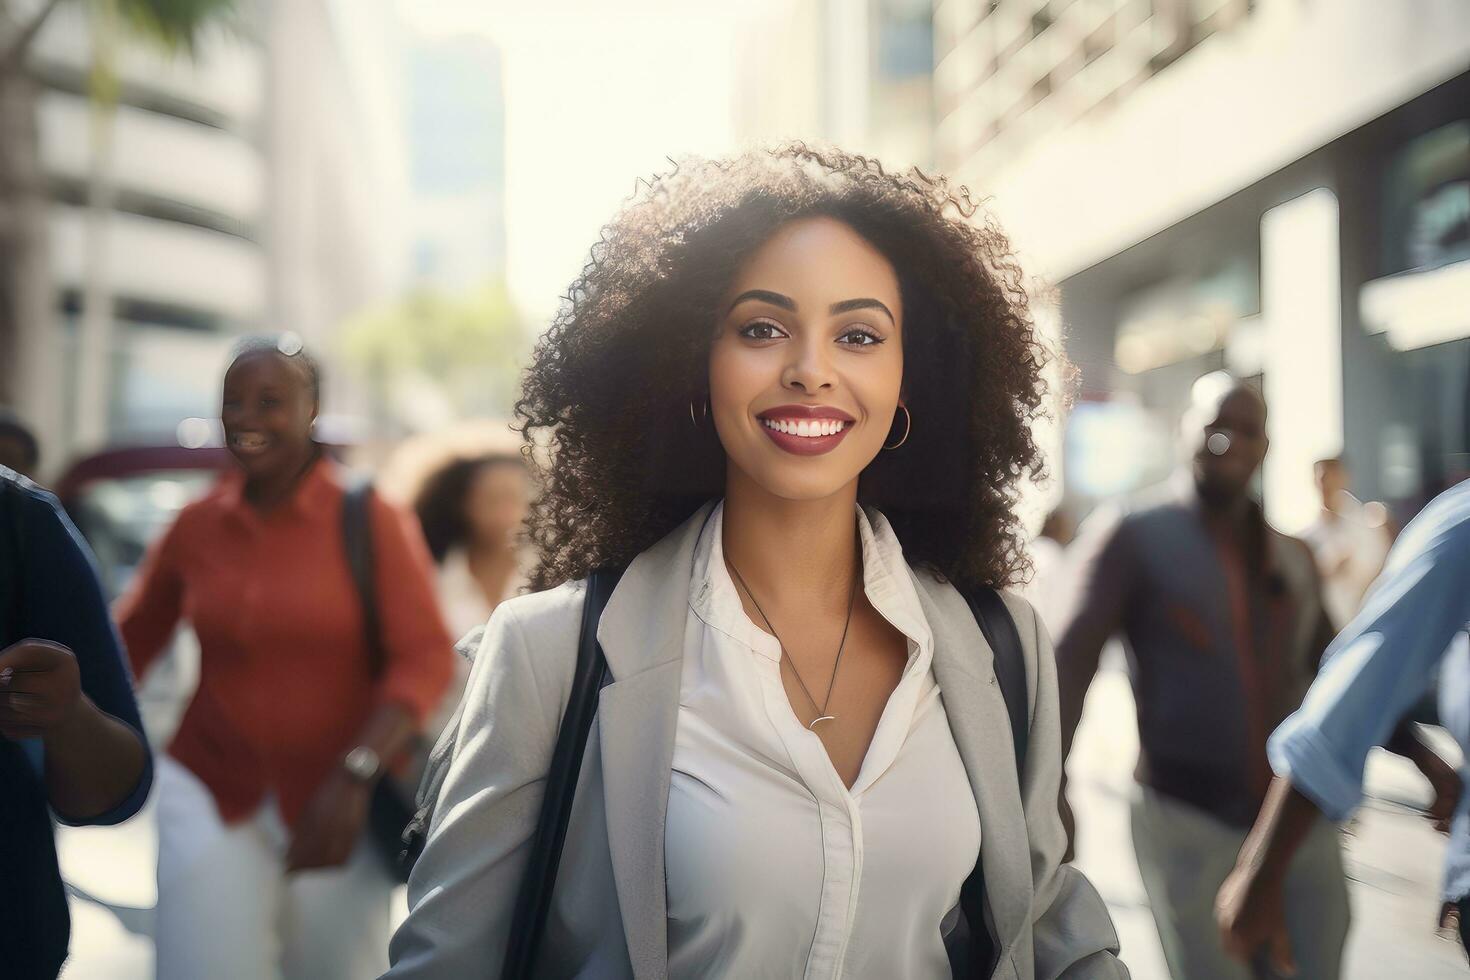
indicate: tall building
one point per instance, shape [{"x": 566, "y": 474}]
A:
[
  {"x": 455, "y": 122},
  {"x": 175, "y": 253},
  {"x": 857, "y": 73},
  {"x": 236, "y": 196},
  {"x": 1277, "y": 187}
]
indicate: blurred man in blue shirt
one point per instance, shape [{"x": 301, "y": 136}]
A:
[
  {"x": 71, "y": 741},
  {"x": 1412, "y": 624}
]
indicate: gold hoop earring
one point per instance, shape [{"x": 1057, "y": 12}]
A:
[
  {"x": 908, "y": 425},
  {"x": 702, "y": 415}
]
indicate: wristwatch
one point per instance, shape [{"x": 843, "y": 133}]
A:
[{"x": 362, "y": 764}]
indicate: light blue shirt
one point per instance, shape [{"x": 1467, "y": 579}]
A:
[{"x": 1411, "y": 626}]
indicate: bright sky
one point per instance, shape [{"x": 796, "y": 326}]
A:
[{"x": 598, "y": 94}]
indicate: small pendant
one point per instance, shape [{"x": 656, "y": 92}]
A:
[{"x": 813, "y": 725}]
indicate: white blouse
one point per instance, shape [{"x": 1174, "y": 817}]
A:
[{"x": 774, "y": 867}]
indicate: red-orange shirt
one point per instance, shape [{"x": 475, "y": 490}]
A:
[{"x": 285, "y": 681}]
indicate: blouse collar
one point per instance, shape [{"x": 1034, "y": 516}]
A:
[
  {"x": 317, "y": 489},
  {"x": 887, "y": 582}
]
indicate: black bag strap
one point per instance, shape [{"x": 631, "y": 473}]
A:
[
  {"x": 973, "y": 948},
  {"x": 533, "y": 902},
  {"x": 1000, "y": 632},
  {"x": 357, "y": 537}
]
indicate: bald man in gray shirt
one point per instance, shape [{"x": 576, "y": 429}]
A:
[{"x": 1224, "y": 627}]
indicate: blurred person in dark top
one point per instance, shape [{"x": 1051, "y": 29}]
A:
[
  {"x": 473, "y": 513},
  {"x": 71, "y": 742},
  {"x": 1224, "y": 626},
  {"x": 19, "y": 450},
  {"x": 1048, "y": 551},
  {"x": 263, "y": 866},
  {"x": 1349, "y": 539},
  {"x": 1412, "y": 626}
]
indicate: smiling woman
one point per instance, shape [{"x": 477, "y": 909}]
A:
[
  {"x": 792, "y": 393},
  {"x": 263, "y": 796},
  {"x": 615, "y": 379}
]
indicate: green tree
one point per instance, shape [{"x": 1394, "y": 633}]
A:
[{"x": 431, "y": 356}]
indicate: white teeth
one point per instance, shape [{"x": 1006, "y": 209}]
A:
[
  {"x": 807, "y": 428},
  {"x": 250, "y": 441}
]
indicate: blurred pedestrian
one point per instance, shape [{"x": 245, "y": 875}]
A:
[
  {"x": 1223, "y": 621},
  {"x": 71, "y": 742},
  {"x": 795, "y": 393},
  {"x": 1350, "y": 541},
  {"x": 473, "y": 513},
  {"x": 1413, "y": 622},
  {"x": 19, "y": 450},
  {"x": 263, "y": 869},
  {"x": 1048, "y": 551}
]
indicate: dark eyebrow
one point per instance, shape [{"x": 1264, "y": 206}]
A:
[
  {"x": 787, "y": 303},
  {"x": 864, "y": 303},
  {"x": 765, "y": 296}
]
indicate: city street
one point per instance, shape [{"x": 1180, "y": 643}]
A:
[{"x": 1394, "y": 862}]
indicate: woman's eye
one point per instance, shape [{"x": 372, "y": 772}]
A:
[
  {"x": 860, "y": 338},
  {"x": 762, "y": 330}
]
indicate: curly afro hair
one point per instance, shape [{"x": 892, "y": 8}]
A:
[{"x": 612, "y": 381}]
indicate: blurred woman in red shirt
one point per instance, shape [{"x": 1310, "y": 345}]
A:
[{"x": 262, "y": 866}]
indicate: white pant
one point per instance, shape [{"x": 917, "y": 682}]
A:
[
  {"x": 1184, "y": 855},
  {"x": 227, "y": 909}
]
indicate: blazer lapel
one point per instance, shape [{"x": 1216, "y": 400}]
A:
[
  {"x": 642, "y": 635},
  {"x": 636, "y": 723},
  {"x": 964, "y": 668}
]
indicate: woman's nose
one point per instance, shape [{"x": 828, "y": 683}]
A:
[{"x": 809, "y": 369}]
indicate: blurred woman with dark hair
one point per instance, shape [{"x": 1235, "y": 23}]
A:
[{"x": 472, "y": 511}]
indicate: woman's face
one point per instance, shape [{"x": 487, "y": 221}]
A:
[
  {"x": 496, "y": 503},
  {"x": 806, "y": 370},
  {"x": 267, "y": 411}
]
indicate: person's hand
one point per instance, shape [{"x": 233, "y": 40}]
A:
[
  {"x": 1248, "y": 911},
  {"x": 40, "y": 689},
  {"x": 1447, "y": 789},
  {"x": 331, "y": 824}
]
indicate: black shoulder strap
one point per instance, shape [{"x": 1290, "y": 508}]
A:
[
  {"x": 1000, "y": 632},
  {"x": 533, "y": 902},
  {"x": 357, "y": 537},
  {"x": 972, "y": 946}
]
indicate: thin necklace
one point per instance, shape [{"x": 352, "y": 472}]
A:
[{"x": 821, "y": 708}]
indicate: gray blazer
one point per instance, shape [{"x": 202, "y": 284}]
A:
[{"x": 608, "y": 912}]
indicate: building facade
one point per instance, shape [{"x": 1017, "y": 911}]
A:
[
  {"x": 218, "y": 194},
  {"x": 1274, "y": 187}
]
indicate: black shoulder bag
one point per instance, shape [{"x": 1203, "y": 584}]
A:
[
  {"x": 973, "y": 952},
  {"x": 392, "y": 807}
]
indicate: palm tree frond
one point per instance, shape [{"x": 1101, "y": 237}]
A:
[{"x": 175, "y": 25}]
